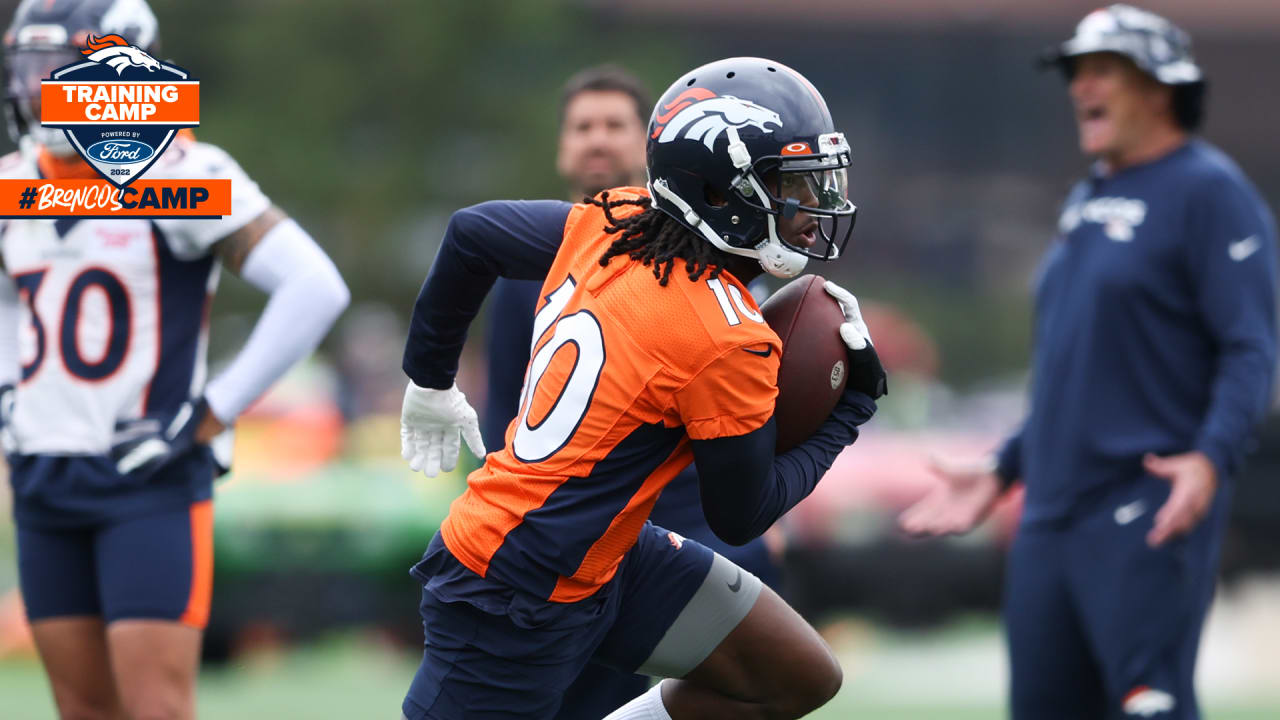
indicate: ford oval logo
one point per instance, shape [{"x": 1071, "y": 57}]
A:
[{"x": 120, "y": 152}]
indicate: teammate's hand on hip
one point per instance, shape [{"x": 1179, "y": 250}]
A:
[
  {"x": 141, "y": 447},
  {"x": 957, "y": 504},
  {"x": 431, "y": 422},
  {"x": 866, "y": 374},
  {"x": 1194, "y": 480},
  {"x": 208, "y": 427},
  {"x": 220, "y": 439}
]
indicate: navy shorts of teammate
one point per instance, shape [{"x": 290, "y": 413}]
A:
[{"x": 90, "y": 546}]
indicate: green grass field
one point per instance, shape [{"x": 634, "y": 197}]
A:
[{"x": 352, "y": 676}]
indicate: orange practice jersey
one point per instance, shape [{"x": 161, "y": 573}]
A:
[{"x": 623, "y": 372}]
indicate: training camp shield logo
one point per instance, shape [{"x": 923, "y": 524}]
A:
[
  {"x": 119, "y": 106},
  {"x": 699, "y": 114}
]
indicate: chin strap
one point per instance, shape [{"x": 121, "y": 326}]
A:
[
  {"x": 772, "y": 255},
  {"x": 776, "y": 259},
  {"x": 661, "y": 189}
]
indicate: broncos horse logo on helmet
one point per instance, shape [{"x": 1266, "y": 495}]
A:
[
  {"x": 115, "y": 51},
  {"x": 738, "y": 144},
  {"x": 708, "y": 116}
]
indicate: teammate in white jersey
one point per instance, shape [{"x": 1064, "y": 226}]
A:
[{"x": 106, "y": 412}]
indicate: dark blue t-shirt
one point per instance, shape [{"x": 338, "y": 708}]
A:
[{"x": 1155, "y": 328}]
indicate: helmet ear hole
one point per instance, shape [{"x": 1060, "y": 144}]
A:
[{"x": 714, "y": 197}]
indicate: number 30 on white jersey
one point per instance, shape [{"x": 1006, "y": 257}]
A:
[{"x": 114, "y": 310}]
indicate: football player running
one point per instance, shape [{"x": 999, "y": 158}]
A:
[
  {"x": 648, "y": 352},
  {"x": 603, "y": 122},
  {"x": 107, "y": 414}
]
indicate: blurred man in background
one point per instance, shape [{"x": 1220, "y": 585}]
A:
[
  {"x": 106, "y": 415},
  {"x": 1155, "y": 342},
  {"x": 604, "y": 112}
]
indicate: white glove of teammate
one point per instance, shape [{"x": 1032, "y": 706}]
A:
[{"x": 430, "y": 424}]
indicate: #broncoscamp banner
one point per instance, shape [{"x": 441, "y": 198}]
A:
[{"x": 120, "y": 108}]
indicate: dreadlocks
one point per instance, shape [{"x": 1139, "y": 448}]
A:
[{"x": 655, "y": 238}]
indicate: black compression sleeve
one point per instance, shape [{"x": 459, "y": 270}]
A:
[{"x": 745, "y": 488}]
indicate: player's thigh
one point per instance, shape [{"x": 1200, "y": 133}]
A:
[
  {"x": 155, "y": 663},
  {"x": 717, "y": 627},
  {"x": 484, "y": 666},
  {"x": 773, "y": 664},
  {"x": 155, "y": 575},
  {"x": 1053, "y": 674},
  {"x": 57, "y": 574},
  {"x": 74, "y": 653}
]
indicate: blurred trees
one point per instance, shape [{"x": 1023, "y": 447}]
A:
[{"x": 372, "y": 121}]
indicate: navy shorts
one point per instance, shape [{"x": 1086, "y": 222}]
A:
[
  {"x": 518, "y": 662},
  {"x": 74, "y": 491},
  {"x": 157, "y": 566},
  {"x": 598, "y": 690},
  {"x": 1099, "y": 624},
  {"x": 87, "y": 547}
]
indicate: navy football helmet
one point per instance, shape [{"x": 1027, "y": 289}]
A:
[
  {"x": 739, "y": 143},
  {"x": 47, "y": 34}
]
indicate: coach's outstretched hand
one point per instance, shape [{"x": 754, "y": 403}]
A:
[
  {"x": 959, "y": 503},
  {"x": 430, "y": 424},
  {"x": 866, "y": 374}
]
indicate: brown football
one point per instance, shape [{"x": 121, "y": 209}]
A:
[{"x": 814, "y": 361}]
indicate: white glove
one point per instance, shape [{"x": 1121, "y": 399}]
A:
[
  {"x": 853, "y": 330},
  {"x": 430, "y": 424},
  {"x": 866, "y": 374}
]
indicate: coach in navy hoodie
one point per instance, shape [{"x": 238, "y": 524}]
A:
[{"x": 1154, "y": 348}]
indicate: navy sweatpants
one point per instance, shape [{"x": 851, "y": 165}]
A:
[{"x": 1101, "y": 626}]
